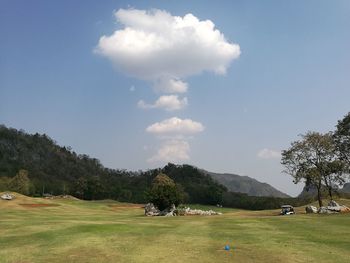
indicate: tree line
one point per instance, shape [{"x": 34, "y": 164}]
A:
[
  {"x": 44, "y": 167},
  {"x": 52, "y": 169}
]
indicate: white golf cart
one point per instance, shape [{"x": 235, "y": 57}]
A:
[{"x": 287, "y": 210}]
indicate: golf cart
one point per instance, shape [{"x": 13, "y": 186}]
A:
[
  {"x": 7, "y": 196},
  {"x": 287, "y": 210}
]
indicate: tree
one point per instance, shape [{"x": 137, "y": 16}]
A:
[
  {"x": 4, "y": 183},
  {"x": 314, "y": 160},
  {"x": 334, "y": 174},
  {"x": 20, "y": 183},
  {"x": 80, "y": 187},
  {"x": 94, "y": 188},
  {"x": 342, "y": 138},
  {"x": 165, "y": 192}
]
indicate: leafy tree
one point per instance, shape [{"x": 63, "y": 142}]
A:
[
  {"x": 342, "y": 138},
  {"x": 80, "y": 187},
  {"x": 164, "y": 192},
  {"x": 95, "y": 189},
  {"x": 4, "y": 183},
  {"x": 20, "y": 183},
  {"x": 313, "y": 160},
  {"x": 125, "y": 195},
  {"x": 334, "y": 175}
]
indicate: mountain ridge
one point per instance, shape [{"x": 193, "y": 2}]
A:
[
  {"x": 245, "y": 184},
  {"x": 54, "y": 169},
  {"x": 311, "y": 191}
]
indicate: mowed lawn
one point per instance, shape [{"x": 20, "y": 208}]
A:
[{"x": 106, "y": 231}]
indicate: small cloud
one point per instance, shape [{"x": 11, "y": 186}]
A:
[
  {"x": 132, "y": 88},
  {"x": 269, "y": 154},
  {"x": 169, "y": 103},
  {"x": 172, "y": 151},
  {"x": 168, "y": 85},
  {"x": 175, "y": 126}
]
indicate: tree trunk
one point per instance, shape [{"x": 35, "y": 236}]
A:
[
  {"x": 329, "y": 187},
  {"x": 330, "y": 192},
  {"x": 319, "y": 197}
]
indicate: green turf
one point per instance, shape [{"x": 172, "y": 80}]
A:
[{"x": 81, "y": 231}]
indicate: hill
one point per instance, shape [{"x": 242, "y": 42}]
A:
[
  {"x": 246, "y": 184},
  {"x": 311, "y": 191},
  {"x": 58, "y": 170},
  {"x": 345, "y": 189}
]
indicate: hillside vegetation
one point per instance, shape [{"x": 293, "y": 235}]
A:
[
  {"x": 56, "y": 170},
  {"x": 59, "y": 170}
]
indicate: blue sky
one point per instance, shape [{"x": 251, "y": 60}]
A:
[{"x": 292, "y": 75}]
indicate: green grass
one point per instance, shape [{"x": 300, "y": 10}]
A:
[{"x": 82, "y": 231}]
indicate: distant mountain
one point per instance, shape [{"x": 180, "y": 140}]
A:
[
  {"x": 345, "y": 189},
  {"x": 246, "y": 184},
  {"x": 311, "y": 192}
]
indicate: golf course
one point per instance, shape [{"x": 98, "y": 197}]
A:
[{"x": 72, "y": 230}]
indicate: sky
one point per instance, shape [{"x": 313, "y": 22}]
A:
[{"x": 224, "y": 86}]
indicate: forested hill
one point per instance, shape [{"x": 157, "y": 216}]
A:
[
  {"x": 246, "y": 184},
  {"x": 59, "y": 170},
  {"x": 56, "y": 170}
]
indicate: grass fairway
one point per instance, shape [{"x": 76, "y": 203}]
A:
[{"x": 106, "y": 231}]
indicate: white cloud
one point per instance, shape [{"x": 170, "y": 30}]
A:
[
  {"x": 132, "y": 88},
  {"x": 166, "y": 85},
  {"x": 172, "y": 151},
  {"x": 269, "y": 154},
  {"x": 162, "y": 48},
  {"x": 175, "y": 126},
  {"x": 169, "y": 103}
]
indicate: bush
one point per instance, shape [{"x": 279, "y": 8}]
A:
[
  {"x": 165, "y": 192},
  {"x": 4, "y": 183},
  {"x": 20, "y": 183}
]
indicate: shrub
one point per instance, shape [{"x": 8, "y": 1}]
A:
[
  {"x": 20, "y": 183},
  {"x": 165, "y": 192}
]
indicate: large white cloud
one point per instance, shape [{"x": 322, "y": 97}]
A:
[
  {"x": 172, "y": 151},
  {"x": 269, "y": 154},
  {"x": 175, "y": 126},
  {"x": 157, "y": 46},
  {"x": 167, "y": 102},
  {"x": 164, "y": 49}
]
